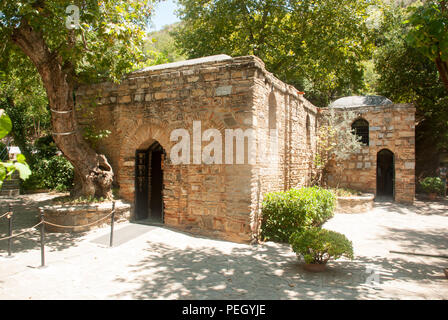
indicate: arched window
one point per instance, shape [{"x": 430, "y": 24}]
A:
[{"x": 361, "y": 128}]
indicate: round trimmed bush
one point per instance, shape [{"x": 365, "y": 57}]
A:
[
  {"x": 287, "y": 212},
  {"x": 317, "y": 245}
]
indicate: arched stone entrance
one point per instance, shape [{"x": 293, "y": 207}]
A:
[
  {"x": 149, "y": 183},
  {"x": 385, "y": 174}
]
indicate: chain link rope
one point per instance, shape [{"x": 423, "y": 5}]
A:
[
  {"x": 57, "y": 225},
  {"x": 85, "y": 225},
  {"x": 6, "y": 214},
  {"x": 19, "y": 234}
]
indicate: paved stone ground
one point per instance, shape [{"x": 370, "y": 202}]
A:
[{"x": 166, "y": 264}]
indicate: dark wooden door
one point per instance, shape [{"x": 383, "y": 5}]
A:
[
  {"x": 141, "y": 184},
  {"x": 156, "y": 202},
  {"x": 385, "y": 173}
]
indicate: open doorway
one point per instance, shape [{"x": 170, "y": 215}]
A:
[
  {"x": 385, "y": 174},
  {"x": 149, "y": 183}
]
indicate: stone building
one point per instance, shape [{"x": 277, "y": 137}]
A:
[
  {"x": 214, "y": 104},
  {"x": 385, "y": 165}
]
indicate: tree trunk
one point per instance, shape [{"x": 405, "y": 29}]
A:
[
  {"x": 93, "y": 174},
  {"x": 442, "y": 66}
]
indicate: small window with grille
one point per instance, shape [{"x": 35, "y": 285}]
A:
[{"x": 361, "y": 128}]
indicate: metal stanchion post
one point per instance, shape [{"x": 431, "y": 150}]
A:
[
  {"x": 42, "y": 238},
  {"x": 10, "y": 231},
  {"x": 112, "y": 224}
]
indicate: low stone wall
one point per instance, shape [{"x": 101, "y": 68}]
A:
[
  {"x": 358, "y": 204},
  {"x": 83, "y": 214}
]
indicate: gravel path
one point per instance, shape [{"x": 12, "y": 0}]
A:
[{"x": 167, "y": 264}]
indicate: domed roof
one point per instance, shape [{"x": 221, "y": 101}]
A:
[{"x": 360, "y": 101}]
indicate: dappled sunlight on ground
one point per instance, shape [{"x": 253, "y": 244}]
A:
[
  {"x": 163, "y": 263},
  {"x": 26, "y": 215}
]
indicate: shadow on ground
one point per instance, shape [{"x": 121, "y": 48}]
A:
[
  {"x": 420, "y": 206},
  {"x": 432, "y": 241},
  {"x": 26, "y": 215},
  {"x": 267, "y": 272}
]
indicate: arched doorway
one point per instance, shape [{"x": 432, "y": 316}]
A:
[
  {"x": 149, "y": 183},
  {"x": 385, "y": 174}
]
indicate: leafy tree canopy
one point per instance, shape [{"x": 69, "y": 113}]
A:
[
  {"x": 318, "y": 46},
  {"x": 429, "y": 33},
  {"x": 406, "y": 75},
  {"x": 105, "y": 41},
  {"x": 70, "y": 42}
]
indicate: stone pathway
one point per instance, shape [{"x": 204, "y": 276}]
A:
[{"x": 167, "y": 264}]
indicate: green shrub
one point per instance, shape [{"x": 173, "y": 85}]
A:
[
  {"x": 79, "y": 200},
  {"x": 287, "y": 212},
  {"x": 45, "y": 148},
  {"x": 318, "y": 245},
  {"x": 55, "y": 173},
  {"x": 432, "y": 185}
]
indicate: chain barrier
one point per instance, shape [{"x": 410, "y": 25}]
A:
[
  {"x": 8, "y": 214},
  {"x": 80, "y": 226},
  {"x": 19, "y": 234},
  {"x": 58, "y": 225},
  {"x": 42, "y": 223}
]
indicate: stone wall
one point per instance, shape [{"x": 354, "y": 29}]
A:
[
  {"x": 83, "y": 216},
  {"x": 391, "y": 127},
  {"x": 280, "y": 107},
  {"x": 224, "y": 93},
  {"x": 354, "y": 204},
  {"x": 224, "y": 200}
]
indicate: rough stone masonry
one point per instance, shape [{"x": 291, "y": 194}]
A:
[{"x": 218, "y": 200}]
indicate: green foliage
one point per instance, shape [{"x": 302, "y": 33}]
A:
[
  {"x": 429, "y": 32},
  {"x": 335, "y": 141},
  {"x": 45, "y": 147},
  {"x": 24, "y": 99},
  {"x": 93, "y": 135},
  {"x": 5, "y": 124},
  {"x": 80, "y": 200},
  {"x": 432, "y": 185},
  {"x": 317, "y": 246},
  {"x": 160, "y": 46},
  {"x": 318, "y": 46},
  {"x": 55, "y": 173},
  {"x": 9, "y": 167},
  {"x": 106, "y": 44},
  {"x": 286, "y": 212},
  {"x": 405, "y": 75}
]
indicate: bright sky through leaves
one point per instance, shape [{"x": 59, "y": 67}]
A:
[{"x": 164, "y": 15}]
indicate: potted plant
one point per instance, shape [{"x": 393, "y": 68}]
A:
[
  {"x": 432, "y": 186},
  {"x": 318, "y": 246}
]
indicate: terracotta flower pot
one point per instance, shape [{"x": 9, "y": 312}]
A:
[
  {"x": 432, "y": 196},
  {"x": 314, "y": 267}
]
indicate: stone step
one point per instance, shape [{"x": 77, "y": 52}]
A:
[
  {"x": 9, "y": 193},
  {"x": 11, "y": 188},
  {"x": 11, "y": 182}
]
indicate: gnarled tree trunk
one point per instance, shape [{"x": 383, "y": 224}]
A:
[
  {"x": 442, "y": 67},
  {"x": 93, "y": 173}
]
